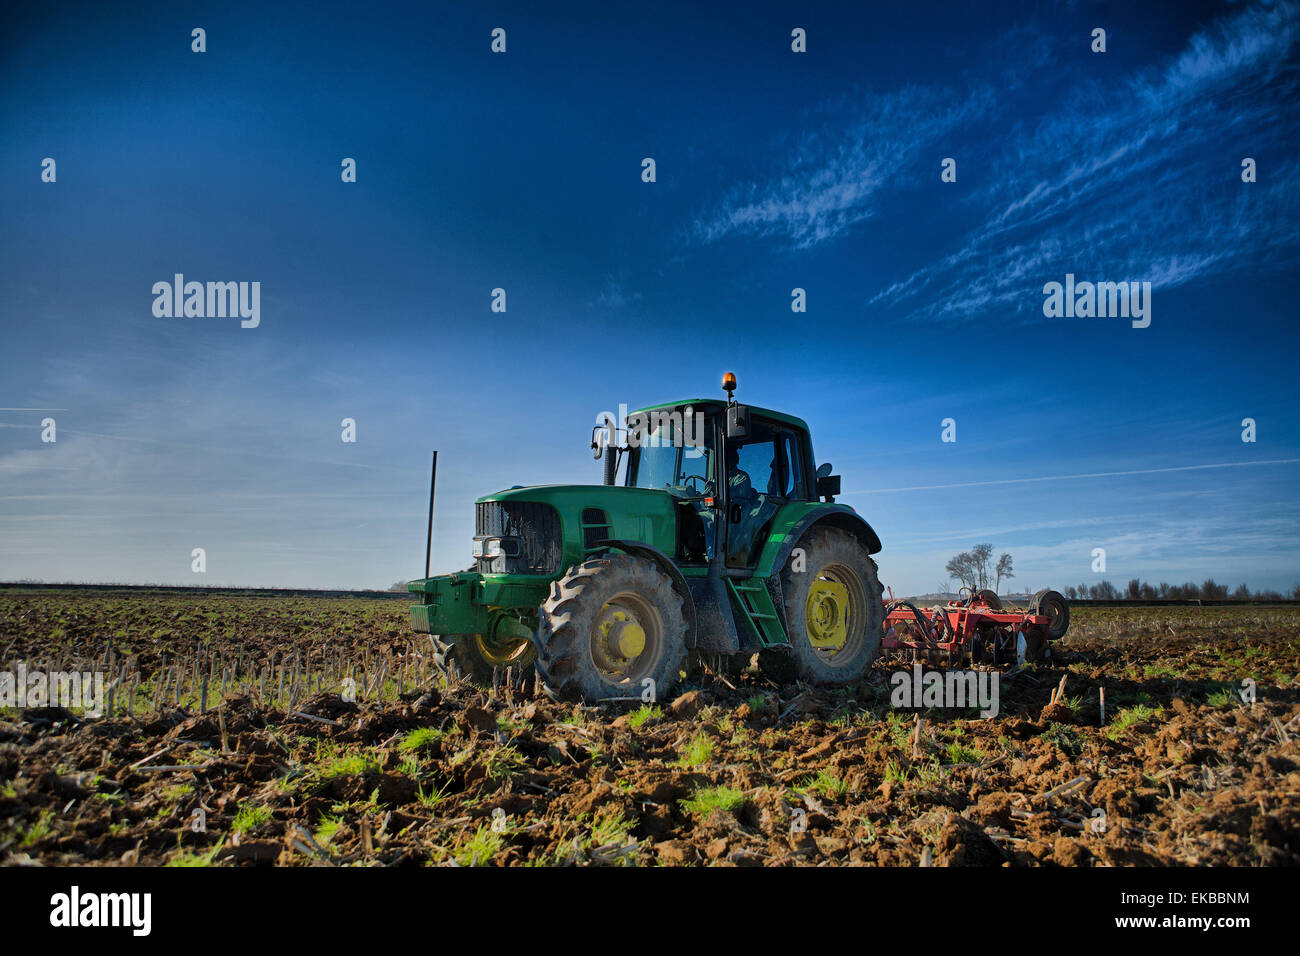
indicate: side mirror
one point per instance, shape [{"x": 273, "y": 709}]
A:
[
  {"x": 737, "y": 421},
  {"x": 823, "y": 469},
  {"x": 606, "y": 436},
  {"x": 828, "y": 486}
]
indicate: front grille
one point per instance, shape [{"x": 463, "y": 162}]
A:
[{"x": 537, "y": 526}]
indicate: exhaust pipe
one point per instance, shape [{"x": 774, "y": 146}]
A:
[
  {"x": 604, "y": 441},
  {"x": 428, "y": 541}
]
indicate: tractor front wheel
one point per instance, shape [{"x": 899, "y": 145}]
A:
[
  {"x": 479, "y": 655},
  {"x": 608, "y": 626}
]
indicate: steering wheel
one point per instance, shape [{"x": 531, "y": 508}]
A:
[{"x": 687, "y": 479}]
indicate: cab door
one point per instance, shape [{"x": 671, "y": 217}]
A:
[{"x": 762, "y": 472}]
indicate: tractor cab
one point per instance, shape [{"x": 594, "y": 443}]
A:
[{"x": 730, "y": 467}]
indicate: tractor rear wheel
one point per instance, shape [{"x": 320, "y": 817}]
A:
[
  {"x": 609, "y": 625},
  {"x": 833, "y": 612}
]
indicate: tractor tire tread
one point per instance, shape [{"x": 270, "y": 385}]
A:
[{"x": 563, "y": 654}]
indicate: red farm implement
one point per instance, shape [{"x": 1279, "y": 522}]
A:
[{"x": 977, "y": 627}]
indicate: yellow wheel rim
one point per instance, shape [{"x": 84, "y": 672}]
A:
[
  {"x": 506, "y": 643},
  {"x": 503, "y": 654},
  {"x": 627, "y": 638},
  {"x": 826, "y": 614}
]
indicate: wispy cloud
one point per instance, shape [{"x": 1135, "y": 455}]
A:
[
  {"x": 834, "y": 174},
  {"x": 1134, "y": 182},
  {"x": 615, "y": 294},
  {"x": 1126, "y": 178}
]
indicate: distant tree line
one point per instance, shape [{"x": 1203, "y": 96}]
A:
[{"x": 1138, "y": 590}]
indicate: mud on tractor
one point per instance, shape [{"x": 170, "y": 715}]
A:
[{"x": 724, "y": 537}]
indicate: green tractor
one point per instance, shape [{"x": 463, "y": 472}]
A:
[{"x": 723, "y": 538}]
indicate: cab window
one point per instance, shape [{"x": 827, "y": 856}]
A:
[{"x": 793, "y": 484}]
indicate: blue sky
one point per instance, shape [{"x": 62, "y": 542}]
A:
[{"x": 522, "y": 171}]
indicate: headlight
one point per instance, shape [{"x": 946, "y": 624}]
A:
[
  {"x": 496, "y": 547},
  {"x": 487, "y": 548}
]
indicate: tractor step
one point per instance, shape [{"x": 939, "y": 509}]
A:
[{"x": 756, "y": 609}]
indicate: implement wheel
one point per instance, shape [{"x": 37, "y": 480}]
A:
[
  {"x": 1035, "y": 643},
  {"x": 607, "y": 626},
  {"x": 1056, "y": 609}
]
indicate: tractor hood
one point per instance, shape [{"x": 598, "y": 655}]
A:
[
  {"x": 557, "y": 525},
  {"x": 599, "y": 496}
]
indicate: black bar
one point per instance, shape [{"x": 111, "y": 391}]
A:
[{"x": 1105, "y": 903}]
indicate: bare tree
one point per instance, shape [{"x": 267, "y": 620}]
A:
[
  {"x": 981, "y": 554},
  {"x": 1105, "y": 591},
  {"x": 1003, "y": 570},
  {"x": 973, "y": 568},
  {"x": 962, "y": 567}
]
